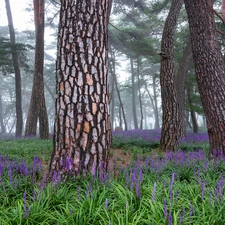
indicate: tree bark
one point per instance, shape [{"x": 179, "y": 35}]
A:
[
  {"x": 19, "y": 113},
  {"x": 169, "y": 134},
  {"x": 181, "y": 78},
  {"x": 82, "y": 132},
  {"x": 133, "y": 94},
  {"x": 210, "y": 70},
  {"x": 139, "y": 92},
  {"x": 37, "y": 109}
]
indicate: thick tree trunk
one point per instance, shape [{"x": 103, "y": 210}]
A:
[
  {"x": 181, "y": 77},
  {"x": 19, "y": 114},
  {"x": 169, "y": 134},
  {"x": 133, "y": 93},
  {"x": 37, "y": 109},
  {"x": 210, "y": 70},
  {"x": 82, "y": 133}
]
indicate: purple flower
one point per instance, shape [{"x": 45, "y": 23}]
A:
[
  {"x": 170, "y": 219},
  {"x": 154, "y": 192},
  {"x": 71, "y": 212},
  {"x": 203, "y": 190},
  {"x": 165, "y": 209},
  {"x": 106, "y": 204},
  {"x": 138, "y": 193},
  {"x": 25, "y": 201},
  {"x": 171, "y": 188},
  {"x": 140, "y": 175},
  {"x": 10, "y": 174}
]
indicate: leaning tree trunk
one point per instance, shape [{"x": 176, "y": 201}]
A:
[
  {"x": 19, "y": 113},
  {"x": 181, "y": 78},
  {"x": 169, "y": 133},
  {"x": 37, "y": 109},
  {"x": 156, "y": 110},
  {"x": 82, "y": 133},
  {"x": 210, "y": 70}
]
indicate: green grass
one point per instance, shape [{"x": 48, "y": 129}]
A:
[{"x": 115, "y": 201}]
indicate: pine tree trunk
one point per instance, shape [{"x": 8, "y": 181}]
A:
[
  {"x": 210, "y": 70},
  {"x": 139, "y": 93},
  {"x": 82, "y": 133},
  {"x": 134, "y": 93},
  {"x": 19, "y": 114},
  {"x": 169, "y": 134},
  {"x": 181, "y": 78},
  {"x": 37, "y": 109}
]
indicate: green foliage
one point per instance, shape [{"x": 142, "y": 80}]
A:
[
  {"x": 26, "y": 148},
  {"x": 136, "y": 195}
]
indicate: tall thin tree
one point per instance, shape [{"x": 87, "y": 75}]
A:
[
  {"x": 19, "y": 113},
  {"x": 37, "y": 109}
]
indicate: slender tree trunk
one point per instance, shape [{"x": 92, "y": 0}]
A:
[
  {"x": 19, "y": 113},
  {"x": 82, "y": 133},
  {"x": 37, "y": 109},
  {"x": 181, "y": 78},
  {"x": 133, "y": 94},
  {"x": 210, "y": 70},
  {"x": 153, "y": 105},
  {"x": 139, "y": 92},
  {"x": 156, "y": 110},
  {"x": 113, "y": 72},
  {"x": 3, "y": 130},
  {"x": 169, "y": 134},
  {"x": 193, "y": 115}
]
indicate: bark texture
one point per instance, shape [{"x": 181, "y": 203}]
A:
[
  {"x": 19, "y": 113},
  {"x": 169, "y": 134},
  {"x": 37, "y": 108},
  {"x": 210, "y": 70},
  {"x": 82, "y": 133},
  {"x": 181, "y": 78}
]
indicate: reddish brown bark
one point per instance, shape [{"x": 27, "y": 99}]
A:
[
  {"x": 82, "y": 133},
  {"x": 37, "y": 108},
  {"x": 210, "y": 70},
  {"x": 169, "y": 134}
]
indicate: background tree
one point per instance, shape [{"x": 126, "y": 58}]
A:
[
  {"x": 37, "y": 107},
  {"x": 19, "y": 114},
  {"x": 82, "y": 133}
]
